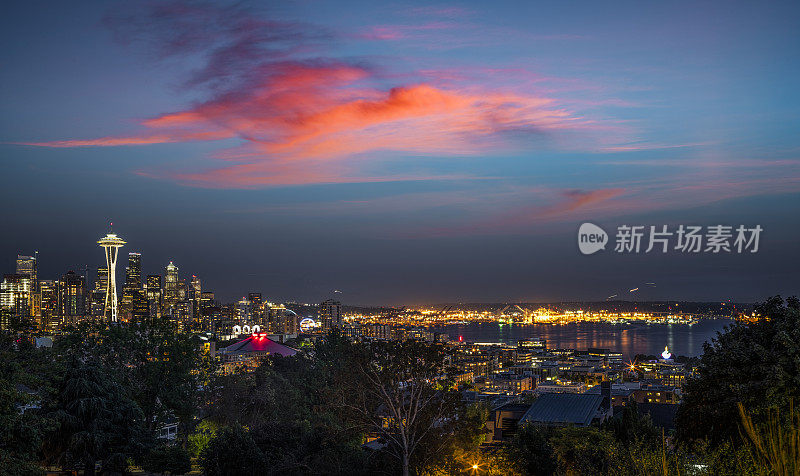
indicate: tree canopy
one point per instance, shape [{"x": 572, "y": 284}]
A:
[{"x": 756, "y": 364}]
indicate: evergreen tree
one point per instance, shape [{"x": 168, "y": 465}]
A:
[
  {"x": 95, "y": 421},
  {"x": 233, "y": 453}
]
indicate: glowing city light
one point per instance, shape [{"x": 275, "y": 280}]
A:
[{"x": 666, "y": 354}]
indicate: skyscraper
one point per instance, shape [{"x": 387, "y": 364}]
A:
[
  {"x": 282, "y": 320},
  {"x": 196, "y": 288},
  {"x": 131, "y": 291},
  {"x": 244, "y": 311},
  {"x": 133, "y": 273},
  {"x": 330, "y": 313},
  {"x": 206, "y": 303},
  {"x": 50, "y": 316},
  {"x": 28, "y": 266},
  {"x": 171, "y": 286},
  {"x": 15, "y": 291},
  {"x": 99, "y": 292},
  {"x": 195, "y": 293},
  {"x": 154, "y": 294},
  {"x": 111, "y": 244},
  {"x": 72, "y": 298},
  {"x": 140, "y": 308},
  {"x": 258, "y": 308}
]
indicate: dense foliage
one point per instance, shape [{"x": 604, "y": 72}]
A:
[
  {"x": 757, "y": 364},
  {"x": 21, "y": 430},
  {"x": 95, "y": 420},
  {"x": 170, "y": 459}
]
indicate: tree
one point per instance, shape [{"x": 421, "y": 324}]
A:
[
  {"x": 232, "y": 453},
  {"x": 757, "y": 364},
  {"x": 633, "y": 428},
  {"x": 19, "y": 436},
  {"x": 398, "y": 394},
  {"x": 198, "y": 440},
  {"x": 543, "y": 451},
  {"x": 586, "y": 451},
  {"x": 170, "y": 459},
  {"x": 286, "y": 406},
  {"x": 160, "y": 368},
  {"x": 23, "y": 383},
  {"x": 95, "y": 420},
  {"x": 459, "y": 444},
  {"x": 531, "y": 451}
]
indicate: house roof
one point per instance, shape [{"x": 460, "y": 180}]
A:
[
  {"x": 514, "y": 407},
  {"x": 258, "y": 343},
  {"x": 560, "y": 408}
]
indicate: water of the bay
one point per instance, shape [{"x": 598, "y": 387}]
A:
[{"x": 630, "y": 339}]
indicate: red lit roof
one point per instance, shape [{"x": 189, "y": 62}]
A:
[{"x": 259, "y": 343}]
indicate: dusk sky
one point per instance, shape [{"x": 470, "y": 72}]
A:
[{"x": 403, "y": 153}]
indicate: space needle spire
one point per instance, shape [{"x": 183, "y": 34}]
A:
[{"x": 111, "y": 244}]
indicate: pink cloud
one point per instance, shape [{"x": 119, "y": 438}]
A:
[
  {"x": 299, "y": 120},
  {"x": 146, "y": 139},
  {"x": 301, "y": 123}
]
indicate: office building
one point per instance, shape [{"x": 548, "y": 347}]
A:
[
  {"x": 50, "y": 317},
  {"x": 244, "y": 311},
  {"x": 282, "y": 321},
  {"x": 195, "y": 294},
  {"x": 97, "y": 306},
  {"x": 71, "y": 298},
  {"x": 133, "y": 284},
  {"x": 28, "y": 266},
  {"x": 330, "y": 314},
  {"x": 15, "y": 292},
  {"x": 154, "y": 293},
  {"x": 171, "y": 286}
]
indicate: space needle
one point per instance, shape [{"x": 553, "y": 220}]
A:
[{"x": 111, "y": 244}]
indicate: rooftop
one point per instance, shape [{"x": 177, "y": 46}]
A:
[
  {"x": 563, "y": 408},
  {"x": 258, "y": 343}
]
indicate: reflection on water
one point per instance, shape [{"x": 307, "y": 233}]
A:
[{"x": 630, "y": 339}]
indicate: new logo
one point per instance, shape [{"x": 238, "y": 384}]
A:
[{"x": 591, "y": 238}]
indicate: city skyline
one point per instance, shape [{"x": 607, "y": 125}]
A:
[
  {"x": 404, "y": 154},
  {"x": 170, "y": 279}
]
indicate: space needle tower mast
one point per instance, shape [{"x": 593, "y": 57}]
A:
[{"x": 111, "y": 243}]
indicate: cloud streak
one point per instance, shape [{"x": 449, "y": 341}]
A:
[{"x": 558, "y": 205}]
